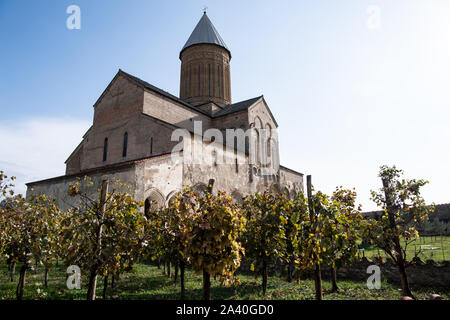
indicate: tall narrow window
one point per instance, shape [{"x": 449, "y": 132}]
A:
[
  {"x": 222, "y": 82},
  {"x": 125, "y": 144},
  {"x": 258, "y": 148},
  {"x": 190, "y": 82},
  {"x": 105, "y": 149},
  {"x": 198, "y": 80},
  {"x": 209, "y": 80},
  {"x": 186, "y": 83},
  {"x": 151, "y": 146},
  {"x": 218, "y": 80},
  {"x": 214, "y": 155}
]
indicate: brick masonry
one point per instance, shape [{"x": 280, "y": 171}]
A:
[{"x": 148, "y": 117}]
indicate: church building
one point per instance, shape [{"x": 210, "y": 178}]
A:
[{"x": 145, "y": 136}]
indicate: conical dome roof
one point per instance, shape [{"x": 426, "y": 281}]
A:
[{"x": 205, "y": 32}]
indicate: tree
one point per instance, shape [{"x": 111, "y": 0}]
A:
[
  {"x": 6, "y": 186},
  {"x": 312, "y": 250},
  {"x": 170, "y": 228},
  {"x": 264, "y": 238},
  {"x": 404, "y": 209},
  {"x": 292, "y": 212},
  {"x": 6, "y": 204},
  {"x": 342, "y": 223},
  {"x": 27, "y": 230},
  {"x": 18, "y": 233},
  {"x": 212, "y": 245},
  {"x": 6, "y": 194},
  {"x": 45, "y": 248},
  {"x": 23, "y": 232},
  {"x": 104, "y": 235}
]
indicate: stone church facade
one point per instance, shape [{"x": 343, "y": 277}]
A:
[{"x": 137, "y": 126}]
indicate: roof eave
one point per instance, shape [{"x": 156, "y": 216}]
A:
[{"x": 202, "y": 43}]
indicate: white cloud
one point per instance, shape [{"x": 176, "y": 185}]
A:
[{"x": 35, "y": 149}]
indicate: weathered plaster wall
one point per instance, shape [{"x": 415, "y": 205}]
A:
[
  {"x": 291, "y": 180},
  {"x": 57, "y": 187},
  {"x": 160, "y": 174}
]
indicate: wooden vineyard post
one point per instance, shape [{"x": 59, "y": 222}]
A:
[
  {"x": 206, "y": 275},
  {"x": 94, "y": 270}
]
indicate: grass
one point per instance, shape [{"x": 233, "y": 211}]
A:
[
  {"x": 434, "y": 248},
  {"x": 148, "y": 282}
]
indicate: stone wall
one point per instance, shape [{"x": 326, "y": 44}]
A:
[
  {"x": 291, "y": 181},
  {"x": 233, "y": 120},
  {"x": 57, "y": 188},
  {"x": 421, "y": 274},
  {"x": 121, "y": 99},
  {"x": 159, "y": 175},
  {"x": 116, "y": 112},
  {"x": 73, "y": 164},
  {"x": 260, "y": 116},
  {"x": 177, "y": 114}
]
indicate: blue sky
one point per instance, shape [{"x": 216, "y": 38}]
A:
[{"x": 348, "y": 98}]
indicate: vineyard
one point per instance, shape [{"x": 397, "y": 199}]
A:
[
  {"x": 194, "y": 247},
  {"x": 147, "y": 282}
]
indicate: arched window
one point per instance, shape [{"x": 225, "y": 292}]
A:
[
  {"x": 105, "y": 149},
  {"x": 154, "y": 201},
  {"x": 214, "y": 158},
  {"x": 209, "y": 80},
  {"x": 268, "y": 139},
  {"x": 151, "y": 146},
  {"x": 125, "y": 144},
  {"x": 258, "y": 148},
  {"x": 198, "y": 81},
  {"x": 190, "y": 82},
  {"x": 186, "y": 84},
  {"x": 218, "y": 80}
]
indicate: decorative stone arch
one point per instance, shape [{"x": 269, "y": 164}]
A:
[
  {"x": 273, "y": 150},
  {"x": 296, "y": 190},
  {"x": 200, "y": 188},
  {"x": 286, "y": 192},
  {"x": 171, "y": 196},
  {"x": 258, "y": 123},
  {"x": 237, "y": 196},
  {"x": 266, "y": 140},
  {"x": 275, "y": 187},
  {"x": 154, "y": 199},
  {"x": 256, "y": 146}
]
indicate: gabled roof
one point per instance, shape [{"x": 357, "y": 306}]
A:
[
  {"x": 270, "y": 112},
  {"x": 243, "y": 105},
  {"x": 235, "y": 107},
  {"x": 228, "y": 109},
  {"x": 79, "y": 145},
  {"x": 150, "y": 87},
  {"x": 290, "y": 170},
  {"x": 205, "y": 32}
]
